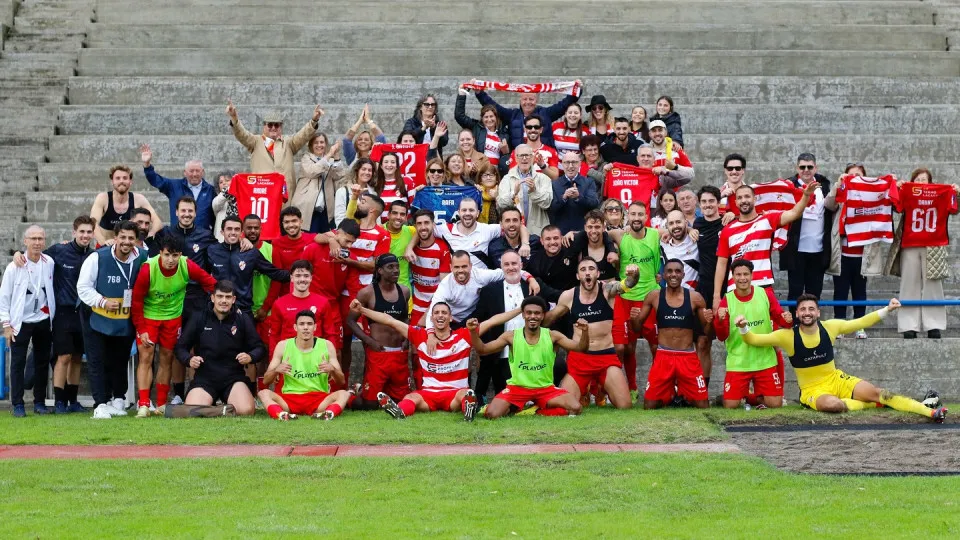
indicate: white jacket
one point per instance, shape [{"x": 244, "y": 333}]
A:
[{"x": 13, "y": 292}]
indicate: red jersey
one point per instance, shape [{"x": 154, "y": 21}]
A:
[
  {"x": 413, "y": 161},
  {"x": 369, "y": 245},
  {"x": 449, "y": 367},
  {"x": 329, "y": 276},
  {"x": 282, "y": 320},
  {"x": 566, "y": 139},
  {"x": 286, "y": 251},
  {"x": 925, "y": 211},
  {"x": 425, "y": 272},
  {"x": 550, "y": 157},
  {"x": 629, "y": 183},
  {"x": 263, "y": 195},
  {"x": 751, "y": 240}
]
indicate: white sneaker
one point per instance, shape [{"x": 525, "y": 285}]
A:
[
  {"x": 143, "y": 411},
  {"x": 102, "y": 412},
  {"x": 113, "y": 411},
  {"x": 119, "y": 404},
  {"x": 176, "y": 401}
]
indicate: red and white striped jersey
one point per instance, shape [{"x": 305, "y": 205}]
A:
[
  {"x": 926, "y": 208},
  {"x": 751, "y": 240},
  {"x": 390, "y": 194},
  {"x": 777, "y": 196},
  {"x": 449, "y": 367},
  {"x": 369, "y": 245},
  {"x": 491, "y": 148},
  {"x": 565, "y": 139},
  {"x": 425, "y": 274},
  {"x": 867, "y": 213}
]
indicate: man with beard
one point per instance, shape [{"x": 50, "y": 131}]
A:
[
  {"x": 750, "y": 237},
  {"x": 226, "y": 262},
  {"x": 595, "y": 243},
  {"x": 511, "y": 223},
  {"x": 640, "y": 246},
  {"x": 622, "y": 146},
  {"x": 286, "y": 248},
  {"x": 553, "y": 265},
  {"x": 460, "y": 290},
  {"x": 532, "y": 354},
  {"x": 429, "y": 263},
  {"x": 143, "y": 219},
  {"x": 527, "y": 188},
  {"x": 515, "y": 117},
  {"x": 283, "y": 317},
  {"x": 386, "y": 369},
  {"x": 112, "y": 207},
  {"x": 708, "y": 226},
  {"x": 592, "y": 303},
  {"x": 670, "y": 159},
  {"x": 734, "y": 172},
  {"x": 544, "y": 158},
  {"x": 679, "y": 244},
  {"x": 823, "y": 387},
  {"x": 676, "y": 368},
  {"x": 401, "y": 236},
  {"x": 473, "y": 237}
]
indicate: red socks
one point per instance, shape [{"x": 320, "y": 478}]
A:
[
  {"x": 162, "y": 391},
  {"x": 407, "y": 406},
  {"x": 336, "y": 409},
  {"x": 552, "y": 411},
  {"x": 260, "y": 385},
  {"x": 274, "y": 410},
  {"x": 143, "y": 398}
]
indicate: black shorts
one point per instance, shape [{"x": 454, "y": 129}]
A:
[
  {"x": 67, "y": 334},
  {"x": 219, "y": 391}
]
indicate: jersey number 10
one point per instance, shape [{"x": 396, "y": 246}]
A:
[{"x": 261, "y": 207}]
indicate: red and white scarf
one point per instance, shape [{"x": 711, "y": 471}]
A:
[{"x": 565, "y": 87}]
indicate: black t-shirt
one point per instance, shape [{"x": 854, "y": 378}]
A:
[{"x": 707, "y": 245}]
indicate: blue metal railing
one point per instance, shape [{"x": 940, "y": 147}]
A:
[{"x": 878, "y": 303}]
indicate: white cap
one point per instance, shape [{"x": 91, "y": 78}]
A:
[{"x": 657, "y": 123}]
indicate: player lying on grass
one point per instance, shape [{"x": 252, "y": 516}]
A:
[
  {"x": 303, "y": 367},
  {"x": 445, "y": 370},
  {"x": 531, "y": 363},
  {"x": 823, "y": 387}
]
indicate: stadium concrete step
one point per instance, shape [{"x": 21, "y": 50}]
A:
[
  {"x": 510, "y": 36},
  {"x": 67, "y": 205},
  {"x": 389, "y": 62},
  {"x": 704, "y": 147},
  {"x": 731, "y": 119},
  {"x": 44, "y": 42},
  {"x": 678, "y": 12},
  {"x": 404, "y": 90}
]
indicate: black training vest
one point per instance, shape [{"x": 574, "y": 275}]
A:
[
  {"x": 671, "y": 317},
  {"x": 397, "y": 309},
  {"x": 111, "y": 218},
  {"x": 597, "y": 311},
  {"x": 804, "y": 357}
]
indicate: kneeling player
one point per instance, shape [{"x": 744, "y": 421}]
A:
[
  {"x": 445, "y": 372},
  {"x": 676, "y": 366},
  {"x": 823, "y": 387},
  {"x": 304, "y": 365},
  {"x": 531, "y": 363},
  {"x": 224, "y": 341}
]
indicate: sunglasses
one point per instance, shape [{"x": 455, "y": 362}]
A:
[
  {"x": 806, "y": 167},
  {"x": 429, "y": 104},
  {"x": 537, "y": 128},
  {"x": 274, "y": 124},
  {"x": 598, "y": 108},
  {"x": 435, "y": 171},
  {"x": 612, "y": 210},
  {"x": 734, "y": 168}
]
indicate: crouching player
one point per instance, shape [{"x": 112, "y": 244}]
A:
[
  {"x": 531, "y": 363},
  {"x": 445, "y": 371},
  {"x": 303, "y": 367}
]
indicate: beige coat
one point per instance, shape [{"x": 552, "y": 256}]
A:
[
  {"x": 283, "y": 151},
  {"x": 313, "y": 172},
  {"x": 539, "y": 199},
  {"x": 478, "y": 159}
]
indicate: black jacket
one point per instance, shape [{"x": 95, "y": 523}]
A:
[
  {"x": 195, "y": 242},
  {"x": 789, "y": 257},
  {"x": 415, "y": 126},
  {"x": 555, "y": 274},
  {"x": 490, "y": 303},
  {"x": 67, "y": 260},
  {"x": 500, "y": 245},
  {"x": 218, "y": 343},
  {"x": 476, "y": 126},
  {"x": 614, "y": 153},
  {"x": 226, "y": 261}
]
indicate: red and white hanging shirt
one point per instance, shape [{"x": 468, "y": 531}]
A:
[
  {"x": 566, "y": 139},
  {"x": 263, "y": 195},
  {"x": 412, "y": 160},
  {"x": 867, "y": 213},
  {"x": 926, "y": 208},
  {"x": 491, "y": 147},
  {"x": 449, "y": 367},
  {"x": 425, "y": 271},
  {"x": 777, "y": 196},
  {"x": 753, "y": 241}
]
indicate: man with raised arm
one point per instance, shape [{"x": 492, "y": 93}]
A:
[
  {"x": 532, "y": 354},
  {"x": 592, "y": 302},
  {"x": 676, "y": 367}
]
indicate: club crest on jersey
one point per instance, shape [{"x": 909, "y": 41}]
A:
[
  {"x": 313, "y": 309},
  {"x": 196, "y": 248},
  {"x": 233, "y": 330},
  {"x": 242, "y": 265}
]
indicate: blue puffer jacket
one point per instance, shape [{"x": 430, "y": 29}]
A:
[
  {"x": 174, "y": 188},
  {"x": 513, "y": 118}
]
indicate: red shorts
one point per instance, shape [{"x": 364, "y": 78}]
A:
[
  {"x": 304, "y": 404},
  {"x": 386, "y": 372},
  {"x": 623, "y": 333},
  {"x": 163, "y": 333},
  {"x": 766, "y": 382},
  {"x": 585, "y": 368},
  {"x": 438, "y": 400},
  {"x": 676, "y": 368},
  {"x": 518, "y": 396}
]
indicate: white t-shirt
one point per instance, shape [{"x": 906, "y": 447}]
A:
[
  {"x": 462, "y": 298},
  {"x": 512, "y": 298},
  {"x": 811, "y": 229},
  {"x": 478, "y": 240},
  {"x": 36, "y": 299}
]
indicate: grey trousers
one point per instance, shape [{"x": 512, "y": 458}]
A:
[{"x": 913, "y": 286}]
